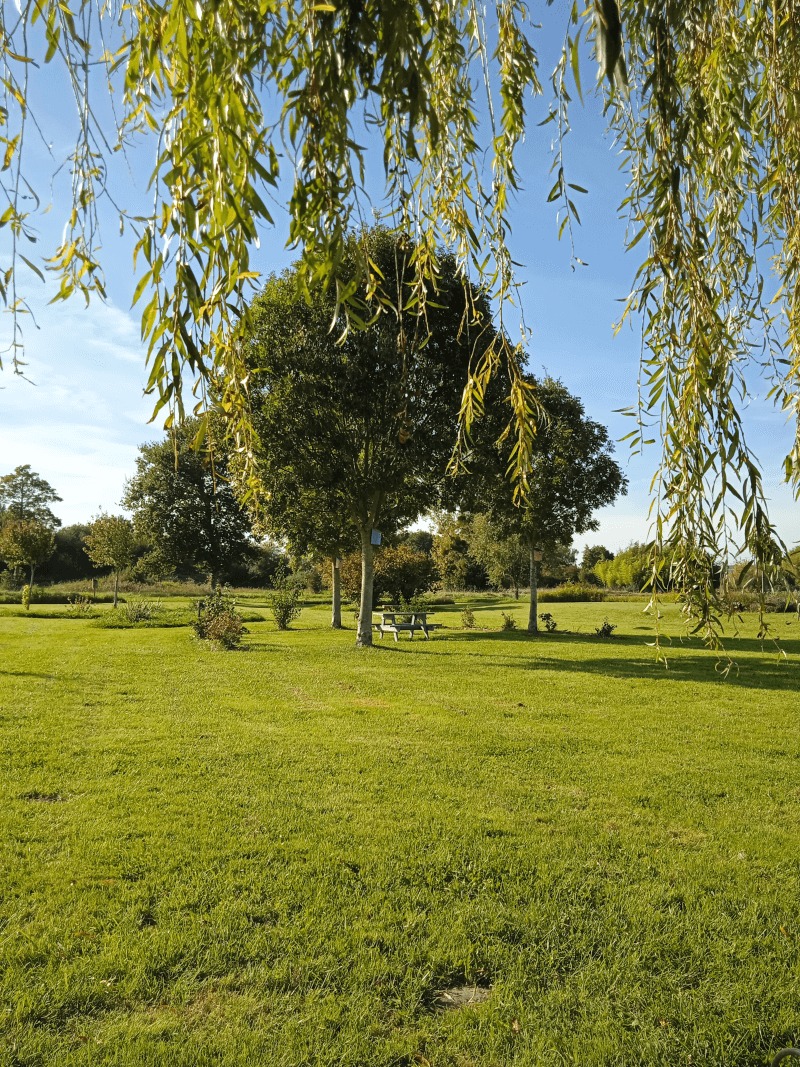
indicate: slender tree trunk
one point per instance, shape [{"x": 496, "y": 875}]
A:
[
  {"x": 33, "y": 570},
  {"x": 516, "y": 589},
  {"x": 336, "y": 596},
  {"x": 213, "y": 580},
  {"x": 116, "y": 587},
  {"x": 532, "y": 624},
  {"x": 364, "y": 639}
]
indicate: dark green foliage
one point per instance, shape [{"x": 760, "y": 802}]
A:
[
  {"x": 185, "y": 508},
  {"x": 550, "y": 623},
  {"x": 420, "y": 540},
  {"x": 70, "y": 561},
  {"x": 457, "y": 555},
  {"x": 606, "y": 629},
  {"x": 400, "y": 572},
  {"x": 573, "y": 474}
]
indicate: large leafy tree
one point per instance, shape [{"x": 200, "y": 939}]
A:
[
  {"x": 702, "y": 94},
  {"x": 572, "y": 475},
  {"x": 184, "y": 507},
  {"x": 362, "y": 428},
  {"x": 24, "y": 495}
]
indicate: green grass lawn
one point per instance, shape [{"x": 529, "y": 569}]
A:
[{"x": 281, "y": 855}]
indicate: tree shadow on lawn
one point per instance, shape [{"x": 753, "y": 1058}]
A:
[
  {"x": 686, "y": 662},
  {"x": 789, "y": 643},
  {"x": 26, "y": 674}
]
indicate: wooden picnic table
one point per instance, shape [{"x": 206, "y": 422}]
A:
[{"x": 397, "y": 622}]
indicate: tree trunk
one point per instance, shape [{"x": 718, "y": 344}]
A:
[
  {"x": 516, "y": 589},
  {"x": 116, "y": 587},
  {"x": 532, "y": 624},
  {"x": 336, "y": 596},
  {"x": 33, "y": 569},
  {"x": 213, "y": 581},
  {"x": 364, "y": 639}
]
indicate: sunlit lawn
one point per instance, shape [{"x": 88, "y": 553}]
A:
[{"x": 281, "y": 855}]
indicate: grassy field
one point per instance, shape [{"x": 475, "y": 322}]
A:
[{"x": 280, "y": 856}]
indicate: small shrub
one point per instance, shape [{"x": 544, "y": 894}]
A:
[
  {"x": 284, "y": 602},
  {"x": 550, "y": 623},
  {"x": 218, "y": 620},
  {"x": 468, "y": 619},
  {"x": 606, "y": 630},
  {"x": 26, "y": 597},
  {"x": 509, "y": 622},
  {"x": 225, "y": 630},
  {"x": 137, "y": 609},
  {"x": 79, "y": 606}
]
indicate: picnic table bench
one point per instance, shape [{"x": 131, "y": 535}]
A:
[{"x": 397, "y": 622}]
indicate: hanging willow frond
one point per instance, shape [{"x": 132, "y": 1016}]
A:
[
  {"x": 229, "y": 90},
  {"x": 712, "y": 146}
]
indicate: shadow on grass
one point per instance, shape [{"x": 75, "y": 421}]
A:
[
  {"x": 685, "y": 661},
  {"x": 26, "y": 674},
  {"x": 732, "y": 643}
]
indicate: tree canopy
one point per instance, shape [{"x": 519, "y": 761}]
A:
[
  {"x": 25, "y": 543},
  {"x": 703, "y": 98},
  {"x": 572, "y": 475},
  {"x": 24, "y": 495},
  {"x": 111, "y": 542},
  {"x": 359, "y": 432},
  {"x": 184, "y": 506}
]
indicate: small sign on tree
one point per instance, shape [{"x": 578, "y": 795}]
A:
[{"x": 376, "y": 537}]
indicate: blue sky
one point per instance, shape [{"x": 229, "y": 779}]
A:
[{"x": 80, "y": 424}]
